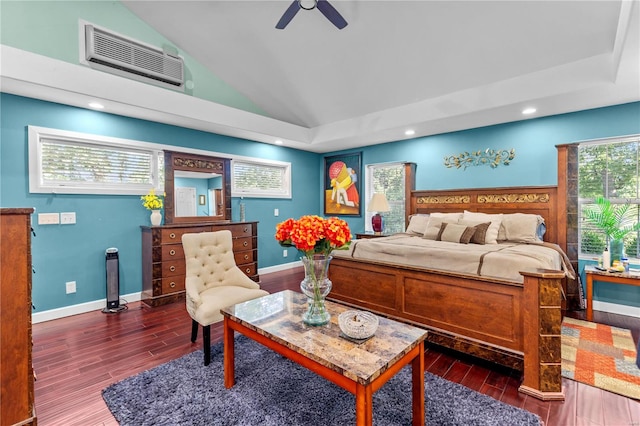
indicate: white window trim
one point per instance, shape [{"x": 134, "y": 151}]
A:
[
  {"x": 286, "y": 184},
  {"x": 36, "y": 185}
]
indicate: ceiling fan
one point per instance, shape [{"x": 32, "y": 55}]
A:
[{"x": 323, "y": 6}]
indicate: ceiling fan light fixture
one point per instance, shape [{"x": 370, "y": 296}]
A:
[
  {"x": 302, "y": 3},
  {"x": 323, "y": 6}
]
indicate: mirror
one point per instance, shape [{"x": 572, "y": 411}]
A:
[{"x": 197, "y": 188}]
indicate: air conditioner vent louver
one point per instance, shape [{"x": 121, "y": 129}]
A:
[{"x": 114, "y": 51}]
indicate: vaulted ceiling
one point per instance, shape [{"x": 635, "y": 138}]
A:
[{"x": 430, "y": 66}]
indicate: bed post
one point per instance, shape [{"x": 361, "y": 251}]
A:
[
  {"x": 409, "y": 185},
  {"x": 542, "y": 327}
]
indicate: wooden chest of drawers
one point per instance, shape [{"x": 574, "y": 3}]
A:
[{"x": 163, "y": 265}]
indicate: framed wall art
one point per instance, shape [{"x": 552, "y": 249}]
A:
[{"x": 342, "y": 183}]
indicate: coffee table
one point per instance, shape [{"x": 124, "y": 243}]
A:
[{"x": 360, "y": 368}]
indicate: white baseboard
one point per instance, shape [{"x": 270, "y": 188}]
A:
[
  {"x": 278, "y": 268},
  {"x": 614, "y": 308},
  {"x": 95, "y": 305},
  {"x": 81, "y": 308}
]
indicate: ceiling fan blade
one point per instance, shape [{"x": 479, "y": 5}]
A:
[
  {"x": 332, "y": 14},
  {"x": 288, "y": 15}
]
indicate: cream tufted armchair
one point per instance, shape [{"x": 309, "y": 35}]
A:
[{"x": 213, "y": 281}]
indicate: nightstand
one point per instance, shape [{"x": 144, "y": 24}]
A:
[{"x": 368, "y": 235}]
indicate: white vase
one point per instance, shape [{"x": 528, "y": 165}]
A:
[{"x": 156, "y": 217}]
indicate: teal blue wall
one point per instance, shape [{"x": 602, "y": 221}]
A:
[
  {"x": 64, "y": 253},
  {"x": 76, "y": 252}
]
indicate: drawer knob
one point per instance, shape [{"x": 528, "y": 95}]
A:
[
  {"x": 246, "y": 229},
  {"x": 172, "y": 252},
  {"x": 172, "y": 284},
  {"x": 245, "y": 243},
  {"x": 246, "y": 257},
  {"x": 248, "y": 270},
  {"x": 172, "y": 235},
  {"x": 172, "y": 268}
]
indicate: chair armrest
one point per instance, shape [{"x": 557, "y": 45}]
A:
[{"x": 193, "y": 286}]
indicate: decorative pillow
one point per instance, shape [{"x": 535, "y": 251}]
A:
[
  {"x": 480, "y": 235},
  {"x": 437, "y": 219},
  {"x": 491, "y": 236},
  {"x": 522, "y": 227},
  {"x": 454, "y": 233},
  {"x": 417, "y": 224}
]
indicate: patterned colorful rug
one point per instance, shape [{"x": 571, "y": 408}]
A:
[{"x": 600, "y": 356}]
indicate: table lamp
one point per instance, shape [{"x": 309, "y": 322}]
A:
[{"x": 379, "y": 205}]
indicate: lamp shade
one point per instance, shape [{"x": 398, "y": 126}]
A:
[{"x": 378, "y": 203}]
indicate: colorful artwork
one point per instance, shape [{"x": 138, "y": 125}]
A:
[{"x": 342, "y": 185}]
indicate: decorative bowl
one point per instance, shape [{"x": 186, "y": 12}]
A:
[{"x": 358, "y": 324}]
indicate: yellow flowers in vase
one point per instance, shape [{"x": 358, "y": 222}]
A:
[{"x": 151, "y": 201}]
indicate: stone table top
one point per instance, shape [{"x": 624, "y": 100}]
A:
[{"x": 278, "y": 316}]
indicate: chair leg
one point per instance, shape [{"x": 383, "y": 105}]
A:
[
  {"x": 194, "y": 330},
  {"x": 206, "y": 336}
]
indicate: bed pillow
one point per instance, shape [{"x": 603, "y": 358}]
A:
[
  {"x": 522, "y": 227},
  {"x": 491, "y": 237},
  {"x": 480, "y": 236},
  {"x": 454, "y": 233},
  {"x": 417, "y": 224},
  {"x": 436, "y": 220}
]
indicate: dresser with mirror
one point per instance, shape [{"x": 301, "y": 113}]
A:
[{"x": 197, "y": 199}]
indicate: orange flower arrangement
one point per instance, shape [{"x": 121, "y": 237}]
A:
[{"x": 314, "y": 235}]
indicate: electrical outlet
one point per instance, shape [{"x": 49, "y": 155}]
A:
[
  {"x": 285, "y": 253},
  {"x": 68, "y": 218},
  {"x": 71, "y": 287},
  {"x": 48, "y": 218}
]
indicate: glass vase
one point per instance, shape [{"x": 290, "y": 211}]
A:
[
  {"x": 316, "y": 285},
  {"x": 616, "y": 248}
]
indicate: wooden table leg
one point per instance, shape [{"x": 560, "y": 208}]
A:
[
  {"x": 589, "y": 297},
  {"x": 229, "y": 355},
  {"x": 417, "y": 387},
  {"x": 364, "y": 405}
]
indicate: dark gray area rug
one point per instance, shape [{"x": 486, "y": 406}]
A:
[{"x": 270, "y": 390}]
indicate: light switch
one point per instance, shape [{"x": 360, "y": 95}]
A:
[
  {"x": 276, "y": 212},
  {"x": 68, "y": 218},
  {"x": 48, "y": 218}
]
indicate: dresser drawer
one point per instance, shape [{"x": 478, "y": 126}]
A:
[
  {"x": 241, "y": 244},
  {"x": 172, "y": 268},
  {"x": 172, "y": 284},
  {"x": 249, "y": 269},
  {"x": 171, "y": 252},
  {"x": 174, "y": 235},
  {"x": 240, "y": 230},
  {"x": 243, "y": 257}
]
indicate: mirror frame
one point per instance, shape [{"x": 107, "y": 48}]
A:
[{"x": 195, "y": 163}]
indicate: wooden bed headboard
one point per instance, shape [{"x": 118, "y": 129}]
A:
[{"x": 542, "y": 200}]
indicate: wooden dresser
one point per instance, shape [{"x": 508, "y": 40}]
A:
[
  {"x": 163, "y": 265},
  {"x": 16, "y": 369}
]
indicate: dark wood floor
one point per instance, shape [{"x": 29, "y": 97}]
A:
[{"x": 76, "y": 357}]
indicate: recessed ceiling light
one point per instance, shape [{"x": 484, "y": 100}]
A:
[
  {"x": 278, "y": 142},
  {"x": 528, "y": 111},
  {"x": 410, "y": 132},
  {"x": 96, "y": 105}
]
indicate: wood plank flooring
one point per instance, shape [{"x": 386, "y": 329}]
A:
[{"x": 76, "y": 357}]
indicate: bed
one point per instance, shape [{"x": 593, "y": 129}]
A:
[{"x": 512, "y": 320}]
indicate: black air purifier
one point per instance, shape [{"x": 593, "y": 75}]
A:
[{"x": 113, "y": 281}]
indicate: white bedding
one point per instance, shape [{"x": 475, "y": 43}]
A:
[{"x": 504, "y": 260}]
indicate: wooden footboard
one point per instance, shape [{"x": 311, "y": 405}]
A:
[{"x": 517, "y": 325}]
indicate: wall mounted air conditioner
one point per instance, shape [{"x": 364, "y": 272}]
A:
[{"x": 126, "y": 57}]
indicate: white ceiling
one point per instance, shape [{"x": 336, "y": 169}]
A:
[{"x": 434, "y": 66}]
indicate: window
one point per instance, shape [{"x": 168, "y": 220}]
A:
[
  {"x": 387, "y": 178},
  {"x": 608, "y": 168},
  {"x": 257, "y": 178},
  {"x": 77, "y": 163}
]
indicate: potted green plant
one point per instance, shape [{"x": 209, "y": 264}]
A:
[{"x": 615, "y": 221}]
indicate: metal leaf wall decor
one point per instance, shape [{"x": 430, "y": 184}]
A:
[{"x": 489, "y": 157}]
